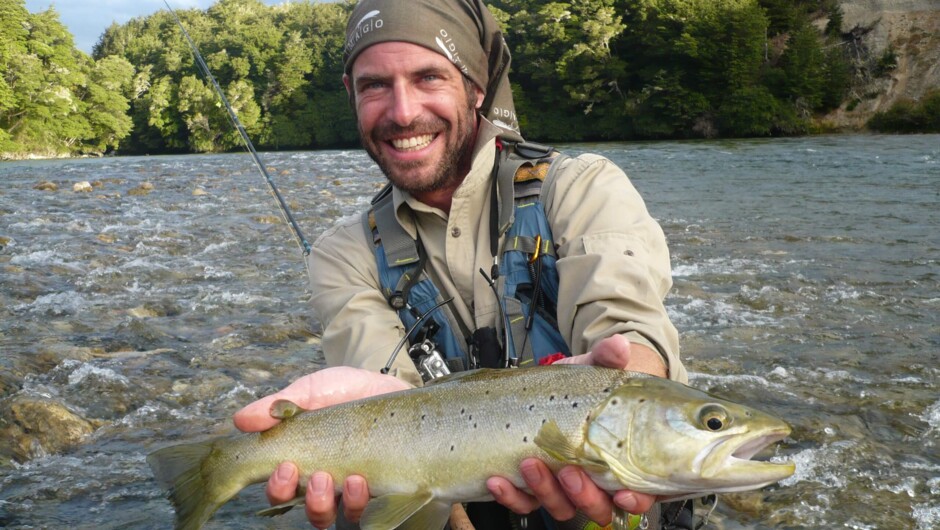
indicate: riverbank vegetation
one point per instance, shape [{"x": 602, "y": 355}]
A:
[{"x": 587, "y": 70}]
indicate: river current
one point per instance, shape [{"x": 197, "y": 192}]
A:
[{"x": 807, "y": 284}]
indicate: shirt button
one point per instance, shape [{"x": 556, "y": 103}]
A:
[{"x": 455, "y": 231}]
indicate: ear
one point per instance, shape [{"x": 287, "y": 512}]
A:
[
  {"x": 480, "y": 95},
  {"x": 346, "y": 83}
]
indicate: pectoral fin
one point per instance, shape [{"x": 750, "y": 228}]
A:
[
  {"x": 282, "y": 508},
  {"x": 390, "y": 511},
  {"x": 554, "y": 442},
  {"x": 432, "y": 517}
]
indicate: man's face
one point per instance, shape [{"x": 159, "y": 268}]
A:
[{"x": 415, "y": 115}]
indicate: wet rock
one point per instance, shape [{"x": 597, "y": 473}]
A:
[
  {"x": 267, "y": 219},
  {"x": 749, "y": 502},
  {"x": 45, "y": 185},
  {"x": 107, "y": 238},
  {"x": 82, "y": 187},
  {"x": 37, "y": 426},
  {"x": 143, "y": 189},
  {"x": 203, "y": 388},
  {"x": 4, "y": 241},
  {"x": 198, "y": 192}
]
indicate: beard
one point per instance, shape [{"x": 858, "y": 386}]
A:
[{"x": 447, "y": 172}]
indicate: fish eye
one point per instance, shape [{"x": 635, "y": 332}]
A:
[{"x": 714, "y": 418}]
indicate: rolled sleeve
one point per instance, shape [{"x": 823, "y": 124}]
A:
[
  {"x": 613, "y": 261},
  {"x": 360, "y": 329}
]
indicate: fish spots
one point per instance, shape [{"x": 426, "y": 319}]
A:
[
  {"x": 574, "y": 405},
  {"x": 391, "y": 414},
  {"x": 642, "y": 400},
  {"x": 531, "y": 407},
  {"x": 525, "y": 439},
  {"x": 620, "y": 444},
  {"x": 551, "y": 397},
  {"x": 452, "y": 448},
  {"x": 606, "y": 390},
  {"x": 424, "y": 417},
  {"x": 615, "y": 402},
  {"x": 508, "y": 425}
]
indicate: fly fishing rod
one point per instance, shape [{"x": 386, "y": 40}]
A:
[{"x": 204, "y": 68}]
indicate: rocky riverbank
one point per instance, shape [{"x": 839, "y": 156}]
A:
[{"x": 907, "y": 29}]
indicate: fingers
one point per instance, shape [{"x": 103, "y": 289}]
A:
[
  {"x": 282, "y": 485},
  {"x": 634, "y": 502},
  {"x": 355, "y": 497},
  {"x": 510, "y": 496},
  {"x": 320, "y": 500},
  {"x": 546, "y": 492},
  {"x": 585, "y": 495}
]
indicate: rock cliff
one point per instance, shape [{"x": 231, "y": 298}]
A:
[{"x": 910, "y": 29}]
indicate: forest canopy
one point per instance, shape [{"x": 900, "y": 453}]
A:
[{"x": 581, "y": 70}]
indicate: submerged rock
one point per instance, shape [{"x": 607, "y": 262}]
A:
[
  {"x": 45, "y": 185},
  {"x": 143, "y": 189},
  {"x": 37, "y": 426}
]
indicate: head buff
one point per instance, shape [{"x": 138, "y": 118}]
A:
[{"x": 464, "y": 31}]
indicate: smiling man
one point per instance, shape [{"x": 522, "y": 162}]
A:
[{"x": 540, "y": 257}]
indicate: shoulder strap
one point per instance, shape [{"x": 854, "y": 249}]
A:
[
  {"x": 400, "y": 248},
  {"x": 511, "y": 159}
]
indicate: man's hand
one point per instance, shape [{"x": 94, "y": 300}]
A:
[
  {"x": 330, "y": 386},
  {"x": 572, "y": 489}
]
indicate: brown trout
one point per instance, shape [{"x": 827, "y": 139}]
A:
[{"x": 421, "y": 450}]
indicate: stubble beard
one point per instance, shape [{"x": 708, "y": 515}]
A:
[{"x": 449, "y": 172}]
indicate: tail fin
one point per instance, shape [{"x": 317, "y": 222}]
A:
[{"x": 181, "y": 470}]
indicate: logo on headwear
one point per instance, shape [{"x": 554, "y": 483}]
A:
[
  {"x": 366, "y": 24},
  {"x": 449, "y": 47}
]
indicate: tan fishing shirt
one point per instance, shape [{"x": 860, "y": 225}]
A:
[{"x": 613, "y": 266}]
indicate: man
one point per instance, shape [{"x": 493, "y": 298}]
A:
[{"x": 428, "y": 81}]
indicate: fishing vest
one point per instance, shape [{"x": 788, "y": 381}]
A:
[{"x": 527, "y": 280}]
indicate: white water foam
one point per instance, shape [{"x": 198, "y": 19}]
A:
[
  {"x": 86, "y": 370},
  {"x": 41, "y": 258},
  {"x": 927, "y": 516},
  {"x": 823, "y": 465},
  {"x": 56, "y": 304}
]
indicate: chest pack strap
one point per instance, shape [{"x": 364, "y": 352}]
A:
[{"x": 527, "y": 281}]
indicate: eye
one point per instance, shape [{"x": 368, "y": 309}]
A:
[{"x": 714, "y": 418}]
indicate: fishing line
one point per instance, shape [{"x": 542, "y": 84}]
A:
[{"x": 282, "y": 205}]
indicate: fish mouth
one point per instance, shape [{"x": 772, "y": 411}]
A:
[{"x": 729, "y": 460}]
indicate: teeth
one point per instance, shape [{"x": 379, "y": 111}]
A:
[{"x": 413, "y": 143}]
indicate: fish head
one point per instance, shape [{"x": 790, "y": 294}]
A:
[{"x": 659, "y": 436}]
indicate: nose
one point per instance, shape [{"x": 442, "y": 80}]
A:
[{"x": 405, "y": 105}]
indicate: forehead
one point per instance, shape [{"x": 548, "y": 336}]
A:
[{"x": 389, "y": 58}]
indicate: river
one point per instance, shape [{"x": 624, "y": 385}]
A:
[{"x": 807, "y": 284}]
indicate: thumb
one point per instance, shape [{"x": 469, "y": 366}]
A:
[{"x": 323, "y": 388}]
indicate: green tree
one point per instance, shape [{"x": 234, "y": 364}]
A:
[
  {"x": 107, "y": 103},
  {"x": 13, "y": 36}
]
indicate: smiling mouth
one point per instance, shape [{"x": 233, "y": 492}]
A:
[{"x": 413, "y": 143}]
